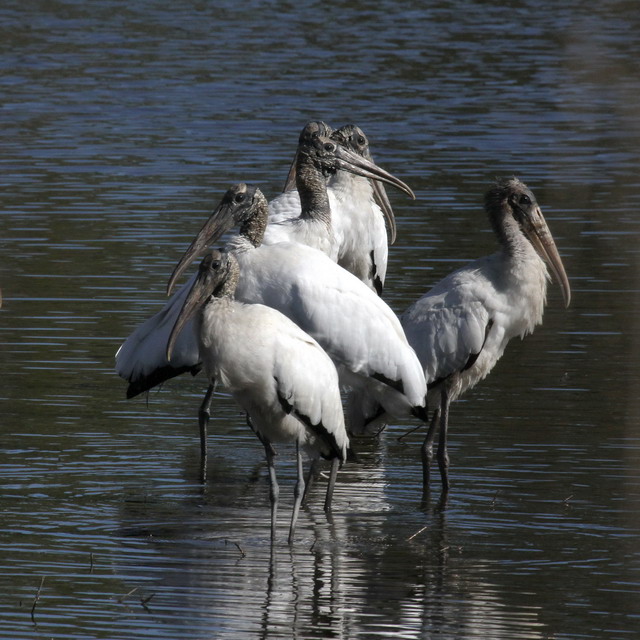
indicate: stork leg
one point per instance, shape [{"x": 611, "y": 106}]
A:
[
  {"x": 204, "y": 413},
  {"x": 443, "y": 456},
  {"x": 313, "y": 467},
  {"x": 263, "y": 440},
  {"x": 427, "y": 450},
  {"x": 274, "y": 489},
  {"x": 335, "y": 464},
  {"x": 297, "y": 493}
]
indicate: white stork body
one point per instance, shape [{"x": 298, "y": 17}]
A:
[
  {"x": 264, "y": 359},
  {"x": 358, "y": 223},
  {"x": 354, "y": 326},
  {"x": 473, "y": 313},
  {"x": 281, "y": 377},
  {"x": 356, "y": 238},
  {"x": 358, "y": 330}
]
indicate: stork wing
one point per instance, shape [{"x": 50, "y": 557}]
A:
[
  {"x": 308, "y": 387},
  {"x": 446, "y": 337},
  {"x": 142, "y": 360}
]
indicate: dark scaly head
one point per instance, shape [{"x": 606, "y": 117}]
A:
[
  {"x": 242, "y": 205},
  {"x": 217, "y": 278},
  {"x": 514, "y": 211}
]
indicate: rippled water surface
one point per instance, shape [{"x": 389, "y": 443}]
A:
[{"x": 122, "y": 125}]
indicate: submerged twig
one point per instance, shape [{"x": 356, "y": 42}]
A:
[
  {"x": 408, "y": 433},
  {"x": 417, "y": 533},
  {"x": 35, "y": 600},
  {"x": 143, "y": 601},
  {"x": 126, "y": 595},
  {"x": 237, "y": 546}
]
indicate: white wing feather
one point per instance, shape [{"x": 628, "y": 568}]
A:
[
  {"x": 269, "y": 364},
  {"x": 353, "y": 325},
  {"x": 141, "y": 359}
]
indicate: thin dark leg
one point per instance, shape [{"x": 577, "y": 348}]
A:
[
  {"x": 298, "y": 493},
  {"x": 427, "y": 451},
  {"x": 265, "y": 442},
  {"x": 274, "y": 490},
  {"x": 443, "y": 456},
  {"x": 335, "y": 464},
  {"x": 204, "y": 413},
  {"x": 313, "y": 467}
]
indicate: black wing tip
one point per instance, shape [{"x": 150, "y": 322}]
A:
[
  {"x": 157, "y": 377},
  {"x": 394, "y": 384},
  {"x": 325, "y": 435},
  {"x": 422, "y": 413},
  {"x": 318, "y": 429}
]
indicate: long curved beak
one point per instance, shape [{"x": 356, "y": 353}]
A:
[
  {"x": 542, "y": 241},
  {"x": 290, "y": 183},
  {"x": 196, "y": 297},
  {"x": 349, "y": 161},
  {"x": 220, "y": 221},
  {"x": 382, "y": 200}
]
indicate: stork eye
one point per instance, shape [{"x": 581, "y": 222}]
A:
[
  {"x": 361, "y": 140},
  {"x": 329, "y": 147},
  {"x": 524, "y": 200},
  {"x": 240, "y": 197}
]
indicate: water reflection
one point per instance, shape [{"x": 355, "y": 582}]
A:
[{"x": 354, "y": 569}]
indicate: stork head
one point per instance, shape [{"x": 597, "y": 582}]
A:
[
  {"x": 240, "y": 205},
  {"x": 309, "y": 133},
  {"x": 217, "y": 277},
  {"x": 512, "y": 205},
  {"x": 315, "y": 146},
  {"x": 353, "y": 138}
]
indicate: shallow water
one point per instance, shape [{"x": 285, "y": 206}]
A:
[{"x": 122, "y": 125}]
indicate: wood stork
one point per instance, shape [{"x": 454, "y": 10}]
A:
[
  {"x": 141, "y": 359},
  {"x": 358, "y": 330},
  {"x": 460, "y": 328},
  {"x": 340, "y": 228},
  {"x": 281, "y": 377}
]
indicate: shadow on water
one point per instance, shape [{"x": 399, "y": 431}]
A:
[{"x": 122, "y": 126}]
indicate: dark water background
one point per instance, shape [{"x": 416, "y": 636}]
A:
[{"x": 122, "y": 125}]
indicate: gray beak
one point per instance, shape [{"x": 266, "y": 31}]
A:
[
  {"x": 542, "y": 241},
  {"x": 349, "y": 161},
  {"x": 203, "y": 287},
  {"x": 220, "y": 221}
]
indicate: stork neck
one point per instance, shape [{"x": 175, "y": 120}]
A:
[
  {"x": 253, "y": 228},
  {"x": 525, "y": 269},
  {"x": 312, "y": 188},
  {"x": 511, "y": 238},
  {"x": 227, "y": 288}
]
